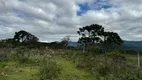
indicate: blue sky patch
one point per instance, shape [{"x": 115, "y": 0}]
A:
[
  {"x": 98, "y": 5},
  {"x": 83, "y": 8}
]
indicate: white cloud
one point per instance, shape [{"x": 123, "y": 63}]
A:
[{"x": 51, "y": 20}]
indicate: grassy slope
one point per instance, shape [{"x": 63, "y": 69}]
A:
[{"x": 70, "y": 72}]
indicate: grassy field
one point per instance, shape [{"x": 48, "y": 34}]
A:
[
  {"x": 134, "y": 59},
  {"x": 13, "y": 70},
  {"x": 70, "y": 72},
  {"x": 16, "y": 71}
]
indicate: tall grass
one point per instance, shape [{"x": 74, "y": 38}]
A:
[
  {"x": 49, "y": 70},
  {"x": 111, "y": 66}
]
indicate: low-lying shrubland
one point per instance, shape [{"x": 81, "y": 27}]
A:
[
  {"x": 49, "y": 70},
  {"x": 113, "y": 65},
  {"x": 43, "y": 64}
]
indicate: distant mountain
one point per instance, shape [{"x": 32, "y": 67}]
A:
[
  {"x": 127, "y": 45},
  {"x": 73, "y": 44},
  {"x": 132, "y": 45}
]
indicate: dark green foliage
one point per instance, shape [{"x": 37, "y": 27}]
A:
[
  {"x": 6, "y": 43},
  {"x": 23, "y": 38},
  {"x": 116, "y": 56},
  {"x": 95, "y": 50},
  {"x": 49, "y": 69},
  {"x": 95, "y": 34},
  {"x": 103, "y": 70},
  {"x": 112, "y": 38},
  {"x": 92, "y": 36},
  {"x": 55, "y": 45}
]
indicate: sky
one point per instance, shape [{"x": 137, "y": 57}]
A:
[{"x": 51, "y": 20}]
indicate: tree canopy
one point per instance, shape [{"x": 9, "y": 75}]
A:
[
  {"x": 23, "y": 36},
  {"x": 95, "y": 34}
]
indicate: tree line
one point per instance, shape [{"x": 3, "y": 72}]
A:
[{"x": 91, "y": 35}]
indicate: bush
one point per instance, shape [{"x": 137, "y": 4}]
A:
[
  {"x": 4, "y": 54},
  {"x": 95, "y": 50},
  {"x": 49, "y": 69},
  {"x": 19, "y": 54},
  {"x": 116, "y": 56}
]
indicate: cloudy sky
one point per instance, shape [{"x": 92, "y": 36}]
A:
[{"x": 51, "y": 20}]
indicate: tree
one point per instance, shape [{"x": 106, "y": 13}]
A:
[
  {"x": 112, "y": 40},
  {"x": 95, "y": 34},
  {"x": 65, "y": 41},
  {"x": 6, "y": 42},
  {"x": 23, "y": 37},
  {"x": 90, "y": 34}
]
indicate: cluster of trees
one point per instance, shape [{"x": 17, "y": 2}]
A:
[
  {"x": 96, "y": 35},
  {"x": 24, "y": 38},
  {"x": 21, "y": 38},
  {"x": 90, "y": 35}
]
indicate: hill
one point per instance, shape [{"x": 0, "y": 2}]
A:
[
  {"x": 127, "y": 45},
  {"x": 132, "y": 45}
]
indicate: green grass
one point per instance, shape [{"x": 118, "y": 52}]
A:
[
  {"x": 70, "y": 72},
  {"x": 16, "y": 71},
  {"x": 28, "y": 72},
  {"x": 134, "y": 59}
]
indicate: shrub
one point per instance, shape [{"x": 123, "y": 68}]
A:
[
  {"x": 4, "y": 54},
  {"x": 95, "y": 50},
  {"x": 19, "y": 54},
  {"x": 103, "y": 70},
  {"x": 49, "y": 69},
  {"x": 116, "y": 56},
  {"x": 112, "y": 66},
  {"x": 3, "y": 57}
]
